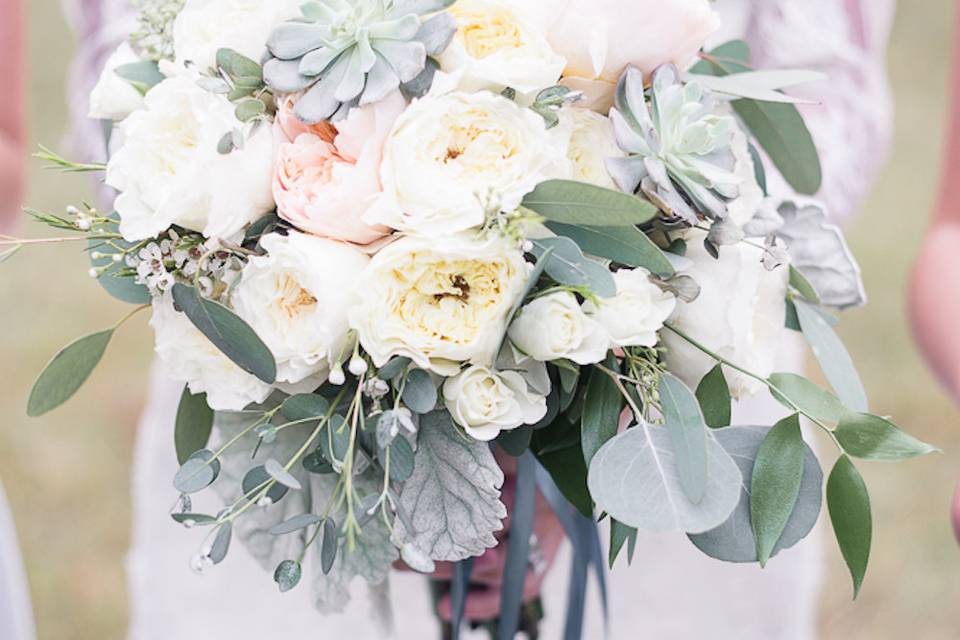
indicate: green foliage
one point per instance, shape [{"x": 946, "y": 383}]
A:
[
  {"x": 287, "y": 575},
  {"x": 835, "y": 361},
  {"x": 849, "y": 506},
  {"x": 565, "y": 263},
  {"x": 626, "y": 245},
  {"x": 197, "y": 473},
  {"x": 775, "y": 484},
  {"x": 874, "y": 438},
  {"x": 713, "y": 393},
  {"x": 66, "y": 372},
  {"x": 227, "y": 332},
  {"x": 304, "y": 406},
  {"x": 620, "y": 534},
  {"x": 193, "y": 424},
  {"x": 797, "y": 393},
  {"x": 579, "y": 203},
  {"x": 419, "y": 393},
  {"x": 328, "y": 550},
  {"x": 602, "y": 406},
  {"x": 688, "y": 432},
  {"x": 143, "y": 75}
]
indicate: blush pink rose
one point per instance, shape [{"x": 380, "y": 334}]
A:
[{"x": 327, "y": 176}]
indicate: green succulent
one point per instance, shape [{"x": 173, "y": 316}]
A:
[
  {"x": 679, "y": 145},
  {"x": 348, "y": 52}
]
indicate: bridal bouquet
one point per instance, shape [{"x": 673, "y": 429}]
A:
[{"x": 389, "y": 244}]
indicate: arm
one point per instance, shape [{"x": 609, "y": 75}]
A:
[
  {"x": 934, "y": 292},
  {"x": 12, "y": 139}
]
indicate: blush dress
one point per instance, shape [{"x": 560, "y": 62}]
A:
[{"x": 238, "y": 600}]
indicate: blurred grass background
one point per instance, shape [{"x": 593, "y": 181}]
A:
[{"x": 66, "y": 475}]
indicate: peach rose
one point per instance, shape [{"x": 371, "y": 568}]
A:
[
  {"x": 327, "y": 176},
  {"x": 599, "y": 38}
]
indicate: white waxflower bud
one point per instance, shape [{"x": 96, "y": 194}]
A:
[
  {"x": 337, "y": 377},
  {"x": 93, "y": 273},
  {"x": 358, "y": 366}
]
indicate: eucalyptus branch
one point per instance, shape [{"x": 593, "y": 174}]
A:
[
  {"x": 12, "y": 241},
  {"x": 774, "y": 389}
]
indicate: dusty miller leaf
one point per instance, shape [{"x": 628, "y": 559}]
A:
[{"x": 453, "y": 496}]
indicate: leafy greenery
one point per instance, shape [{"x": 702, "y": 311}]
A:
[
  {"x": 66, "y": 372},
  {"x": 579, "y": 203},
  {"x": 193, "y": 424},
  {"x": 713, "y": 393},
  {"x": 849, "y": 505}
]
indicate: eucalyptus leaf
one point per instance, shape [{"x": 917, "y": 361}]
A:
[
  {"x": 287, "y": 575},
  {"x": 626, "y": 245},
  {"x": 237, "y": 65},
  {"x": 453, "y": 496},
  {"x": 734, "y": 541},
  {"x": 256, "y": 480},
  {"x": 143, "y": 75},
  {"x": 516, "y": 441},
  {"x": 66, "y": 372},
  {"x": 193, "y": 519},
  {"x": 569, "y": 472},
  {"x": 835, "y": 361},
  {"x": 797, "y": 393},
  {"x": 579, "y": 203},
  {"x": 296, "y": 523},
  {"x": 401, "y": 460},
  {"x": 281, "y": 475},
  {"x": 227, "y": 332},
  {"x": 874, "y": 438},
  {"x": 713, "y": 394},
  {"x": 849, "y": 504},
  {"x": 565, "y": 263},
  {"x": 193, "y": 424},
  {"x": 775, "y": 484},
  {"x": 688, "y": 431},
  {"x": 763, "y": 86},
  {"x": 305, "y": 406},
  {"x": 249, "y": 109},
  {"x": 419, "y": 392},
  {"x": 802, "y": 285},
  {"x": 393, "y": 368},
  {"x": 121, "y": 287},
  {"x": 197, "y": 473},
  {"x": 634, "y": 478},
  {"x": 221, "y": 543},
  {"x": 328, "y": 552},
  {"x": 601, "y": 411}
]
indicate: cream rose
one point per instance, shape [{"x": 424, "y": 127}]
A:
[
  {"x": 555, "y": 327},
  {"x": 113, "y": 98},
  {"x": 452, "y": 159},
  {"x": 740, "y": 315},
  {"x": 439, "y": 302},
  {"x": 485, "y": 402},
  {"x": 168, "y": 170},
  {"x": 188, "y": 356},
  {"x": 633, "y": 317},
  {"x": 204, "y": 26},
  {"x": 591, "y": 144},
  {"x": 599, "y": 38},
  {"x": 296, "y": 299},
  {"x": 326, "y": 178},
  {"x": 497, "y": 45}
]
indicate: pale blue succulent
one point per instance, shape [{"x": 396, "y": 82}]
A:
[
  {"x": 349, "y": 52},
  {"x": 679, "y": 145}
]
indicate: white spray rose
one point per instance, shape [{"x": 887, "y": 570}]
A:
[
  {"x": 739, "y": 315},
  {"x": 296, "y": 299},
  {"x": 188, "y": 356},
  {"x": 591, "y": 144},
  {"x": 168, "y": 170},
  {"x": 204, "y": 26},
  {"x": 600, "y": 38},
  {"x": 633, "y": 317},
  {"x": 485, "y": 402},
  {"x": 451, "y": 159},
  {"x": 554, "y": 327},
  {"x": 113, "y": 98},
  {"x": 439, "y": 303},
  {"x": 498, "y": 44}
]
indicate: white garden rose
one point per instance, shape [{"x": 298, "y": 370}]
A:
[
  {"x": 452, "y": 159},
  {"x": 750, "y": 198},
  {"x": 591, "y": 144},
  {"x": 204, "y": 26},
  {"x": 554, "y": 327},
  {"x": 296, "y": 299},
  {"x": 113, "y": 98},
  {"x": 739, "y": 315},
  {"x": 633, "y": 317},
  {"x": 439, "y": 302},
  {"x": 599, "y": 38},
  {"x": 168, "y": 170},
  {"x": 188, "y": 356},
  {"x": 499, "y": 44},
  {"x": 485, "y": 402}
]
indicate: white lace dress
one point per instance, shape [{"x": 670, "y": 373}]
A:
[{"x": 238, "y": 601}]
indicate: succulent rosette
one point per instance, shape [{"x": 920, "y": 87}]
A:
[{"x": 387, "y": 243}]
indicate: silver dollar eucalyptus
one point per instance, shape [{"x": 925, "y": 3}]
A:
[
  {"x": 344, "y": 53},
  {"x": 679, "y": 145}
]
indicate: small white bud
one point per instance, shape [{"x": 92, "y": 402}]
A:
[
  {"x": 73, "y": 211},
  {"x": 358, "y": 366},
  {"x": 265, "y": 501},
  {"x": 93, "y": 273},
  {"x": 337, "y": 377},
  {"x": 83, "y": 224},
  {"x": 117, "y": 257},
  {"x": 96, "y": 255},
  {"x": 527, "y": 246}
]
